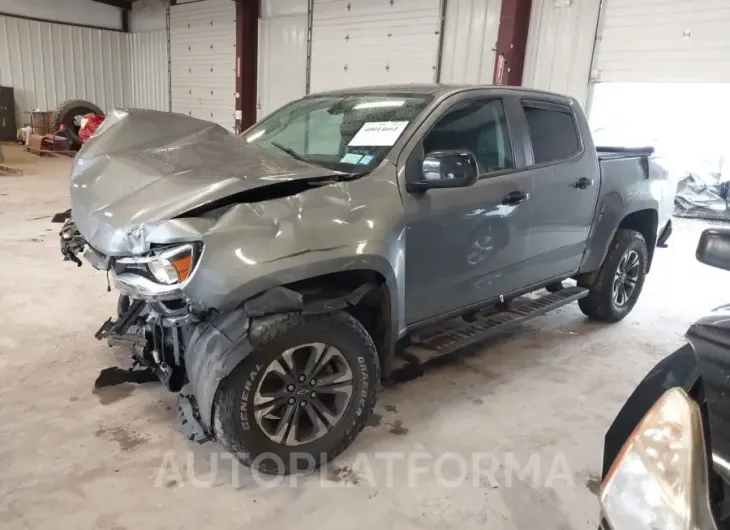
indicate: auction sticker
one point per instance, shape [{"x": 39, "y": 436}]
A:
[{"x": 378, "y": 133}]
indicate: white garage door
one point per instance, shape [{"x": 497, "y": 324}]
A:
[
  {"x": 372, "y": 42},
  {"x": 203, "y": 60},
  {"x": 664, "y": 41}
]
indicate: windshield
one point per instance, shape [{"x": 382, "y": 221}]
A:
[{"x": 351, "y": 133}]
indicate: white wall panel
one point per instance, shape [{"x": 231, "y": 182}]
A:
[
  {"x": 72, "y": 11},
  {"x": 148, "y": 66},
  {"x": 47, "y": 64},
  {"x": 470, "y": 36},
  {"x": 147, "y": 15},
  {"x": 282, "y": 8},
  {"x": 371, "y": 42},
  {"x": 560, "y": 46},
  {"x": 282, "y": 66},
  {"x": 203, "y": 56},
  {"x": 665, "y": 41}
]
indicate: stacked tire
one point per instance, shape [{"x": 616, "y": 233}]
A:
[{"x": 66, "y": 114}]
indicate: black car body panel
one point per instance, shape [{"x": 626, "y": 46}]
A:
[
  {"x": 702, "y": 368},
  {"x": 680, "y": 369}
]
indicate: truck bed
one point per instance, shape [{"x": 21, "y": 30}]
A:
[{"x": 626, "y": 168}]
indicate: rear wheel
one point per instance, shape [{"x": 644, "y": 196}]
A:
[
  {"x": 301, "y": 398},
  {"x": 620, "y": 279}
]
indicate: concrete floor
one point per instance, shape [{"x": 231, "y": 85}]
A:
[{"x": 75, "y": 458}]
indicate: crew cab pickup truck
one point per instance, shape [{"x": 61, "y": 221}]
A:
[{"x": 275, "y": 278}]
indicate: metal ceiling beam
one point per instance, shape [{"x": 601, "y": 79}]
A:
[{"x": 121, "y": 4}]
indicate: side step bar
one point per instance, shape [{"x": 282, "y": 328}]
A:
[{"x": 455, "y": 334}]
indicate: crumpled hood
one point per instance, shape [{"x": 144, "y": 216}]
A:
[{"x": 145, "y": 167}]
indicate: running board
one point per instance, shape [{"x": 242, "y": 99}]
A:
[{"x": 455, "y": 334}]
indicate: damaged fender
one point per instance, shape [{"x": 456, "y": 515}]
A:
[
  {"x": 218, "y": 346},
  {"x": 215, "y": 349}
]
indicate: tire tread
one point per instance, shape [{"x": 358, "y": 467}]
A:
[
  {"x": 226, "y": 401},
  {"x": 598, "y": 305}
]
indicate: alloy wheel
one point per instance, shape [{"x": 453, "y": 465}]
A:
[
  {"x": 626, "y": 278},
  {"x": 303, "y": 394}
]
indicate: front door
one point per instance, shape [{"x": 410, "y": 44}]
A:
[{"x": 465, "y": 245}]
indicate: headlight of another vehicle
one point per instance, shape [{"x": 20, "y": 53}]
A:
[
  {"x": 171, "y": 266},
  {"x": 659, "y": 479}
]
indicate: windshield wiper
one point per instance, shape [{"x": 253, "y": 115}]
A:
[{"x": 289, "y": 151}]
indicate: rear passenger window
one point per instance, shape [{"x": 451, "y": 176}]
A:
[{"x": 553, "y": 132}]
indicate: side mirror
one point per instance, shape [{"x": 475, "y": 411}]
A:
[
  {"x": 714, "y": 248},
  {"x": 446, "y": 169}
]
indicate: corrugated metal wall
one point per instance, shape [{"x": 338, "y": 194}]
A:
[
  {"x": 470, "y": 35},
  {"x": 282, "y": 41},
  {"x": 149, "y": 70},
  {"x": 560, "y": 46},
  {"x": 87, "y": 12},
  {"x": 47, "y": 64}
]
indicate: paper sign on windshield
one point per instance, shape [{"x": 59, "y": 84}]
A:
[{"x": 378, "y": 133}]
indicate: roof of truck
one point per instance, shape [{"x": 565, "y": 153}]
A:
[{"x": 431, "y": 89}]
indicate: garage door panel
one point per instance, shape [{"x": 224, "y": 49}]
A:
[
  {"x": 641, "y": 8},
  {"x": 664, "y": 41},
  {"x": 370, "y": 42},
  {"x": 203, "y": 60}
]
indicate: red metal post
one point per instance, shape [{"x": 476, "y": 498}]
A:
[
  {"x": 247, "y": 16},
  {"x": 514, "y": 24}
]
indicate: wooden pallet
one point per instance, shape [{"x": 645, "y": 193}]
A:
[
  {"x": 48, "y": 152},
  {"x": 10, "y": 170},
  {"x": 7, "y": 170}
]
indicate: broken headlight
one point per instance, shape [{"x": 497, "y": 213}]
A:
[{"x": 171, "y": 266}]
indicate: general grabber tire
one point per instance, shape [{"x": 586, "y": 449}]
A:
[
  {"x": 620, "y": 279},
  {"x": 285, "y": 408}
]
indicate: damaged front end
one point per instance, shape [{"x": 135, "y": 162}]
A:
[
  {"x": 202, "y": 233},
  {"x": 155, "y": 320}
]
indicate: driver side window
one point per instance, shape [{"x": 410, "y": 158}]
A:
[{"x": 478, "y": 126}]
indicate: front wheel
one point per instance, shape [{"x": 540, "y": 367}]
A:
[
  {"x": 620, "y": 279},
  {"x": 301, "y": 398}
]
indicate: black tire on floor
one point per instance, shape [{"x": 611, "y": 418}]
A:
[
  {"x": 66, "y": 113},
  {"x": 600, "y": 303},
  {"x": 234, "y": 423}
]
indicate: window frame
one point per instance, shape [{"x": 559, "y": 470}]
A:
[
  {"x": 419, "y": 150},
  {"x": 556, "y": 107}
]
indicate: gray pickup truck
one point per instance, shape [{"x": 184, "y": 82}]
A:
[{"x": 274, "y": 279}]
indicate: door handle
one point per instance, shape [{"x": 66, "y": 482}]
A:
[
  {"x": 583, "y": 183},
  {"x": 514, "y": 198}
]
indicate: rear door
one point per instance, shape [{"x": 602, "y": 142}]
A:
[{"x": 562, "y": 160}]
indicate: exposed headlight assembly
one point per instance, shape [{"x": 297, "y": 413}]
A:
[
  {"x": 171, "y": 266},
  {"x": 659, "y": 479}
]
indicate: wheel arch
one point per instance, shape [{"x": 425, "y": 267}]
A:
[
  {"x": 645, "y": 222},
  {"x": 612, "y": 216},
  {"x": 218, "y": 346}
]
